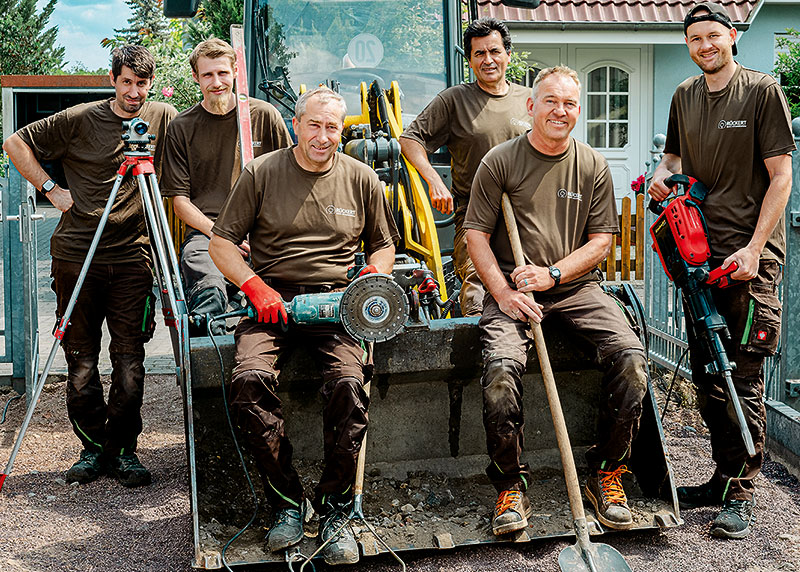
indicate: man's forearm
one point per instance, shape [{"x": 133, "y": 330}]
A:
[
  {"x": 227, "y": 258},
  {"x": 485, "y": 262},
  {"x": 382, "y": 259},
  {"x": 191, "y": 215},
  {"x": 25, "y": 161},
  {"x": 418, "y": 157},
  {"x": 775, "y": 200},
  {"x": 585, "y": 258}
]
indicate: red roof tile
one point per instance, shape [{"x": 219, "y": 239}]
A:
[{"x": 610, "y": 11}]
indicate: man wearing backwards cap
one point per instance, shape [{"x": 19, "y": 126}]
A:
[{"x": 730, "y": 129}]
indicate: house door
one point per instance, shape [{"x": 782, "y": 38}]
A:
[{"x": 611, "y": 118}]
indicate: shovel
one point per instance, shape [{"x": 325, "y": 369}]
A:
[{"x": 583, "y": 555}]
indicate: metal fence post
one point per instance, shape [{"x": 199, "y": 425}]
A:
[{"x": 789, "y": 390}]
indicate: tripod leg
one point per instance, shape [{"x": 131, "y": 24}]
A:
[{"x": 62, "y": 325}]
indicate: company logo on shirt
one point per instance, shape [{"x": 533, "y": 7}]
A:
[
  {"x": 520, "y": 123},
  {"x": 334, "y": 210},
  {"x": 571, "y": 195},
  {"x": 732, "y": 124},
  {"x": 256, "y": 143}
]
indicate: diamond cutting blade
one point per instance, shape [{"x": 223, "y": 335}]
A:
[{"x": 374, "y": 308}]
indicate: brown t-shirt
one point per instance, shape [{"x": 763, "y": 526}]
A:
[
  {"x": 87, "y": 139},
  {"x": 558, "y": 201},
  {"x": 470, "y": 122},
  {"x": 722, "y": 139},
  {"x": 202, "y": 160},
  {"x": 305, "y": 227}
]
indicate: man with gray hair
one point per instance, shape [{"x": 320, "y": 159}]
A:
[
  {"x": 307, "y": 210},
  {"x": 563, "y": 199}
]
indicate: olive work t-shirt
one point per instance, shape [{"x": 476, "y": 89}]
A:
[
  {"x": 558, "y": 201},
  {"x": 202, "y": 159},
  {"x": 87, "y": 138},
  {"x": 722, "y": 139},
  {"x": 305, "y": 228},
  {"x": 470, "y": 122}
]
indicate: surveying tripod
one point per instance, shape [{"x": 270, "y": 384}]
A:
[{"x": 165, "y": 264}]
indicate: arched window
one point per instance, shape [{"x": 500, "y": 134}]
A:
[{"x": 607, "y": 108}]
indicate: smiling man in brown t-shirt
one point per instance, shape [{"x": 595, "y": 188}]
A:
[
  {"x": 730, "y": 129},
  {"x": 563, "y": 201},
  {"x": 470, "y": 119},
  {"x": 202, "y": 162},
  {"x": 118, "y": 288},
  {"x": 307, "y": 210}
]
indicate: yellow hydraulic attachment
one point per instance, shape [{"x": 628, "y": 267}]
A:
[{"x": 416, "y": 216}]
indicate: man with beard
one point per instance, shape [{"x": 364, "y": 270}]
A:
[
  {"x": 307, "y": 210},
  {"x": 202, "y": 161},
  {"x": 118, "y": 288},
  {"x": 470, "y": 119},
  {"x": 730, "y": 129}
]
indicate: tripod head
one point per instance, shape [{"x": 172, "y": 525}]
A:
[{"x": 136, "y": 137}]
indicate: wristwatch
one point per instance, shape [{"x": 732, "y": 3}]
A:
[
  {"x": 555, "y": 274},
  {"x": 48, "y": 186}
]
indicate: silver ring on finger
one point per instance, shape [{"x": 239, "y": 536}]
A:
[{"x": 525, "y": 282}]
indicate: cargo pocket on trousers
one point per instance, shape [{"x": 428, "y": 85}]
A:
[
  {"x": 149, "y": 317},
  {"x": 763, "y": 328}
]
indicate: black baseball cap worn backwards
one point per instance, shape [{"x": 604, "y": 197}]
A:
[{"x": 711, "y": 12}]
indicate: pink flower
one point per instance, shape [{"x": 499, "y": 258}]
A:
[
  {"x": 168, "y": 91},
  {"x": 637, "y": 184}
]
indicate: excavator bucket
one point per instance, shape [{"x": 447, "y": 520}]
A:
[{"x": 425, "y": 486}]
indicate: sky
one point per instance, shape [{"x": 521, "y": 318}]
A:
[{"x": 81, "y": 26}]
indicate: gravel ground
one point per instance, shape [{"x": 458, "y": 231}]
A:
[{"x": 46, "y": 525}]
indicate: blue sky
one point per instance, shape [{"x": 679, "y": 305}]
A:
[{"x": 81, "y": 26}]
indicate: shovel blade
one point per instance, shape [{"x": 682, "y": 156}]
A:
[{"x": 594, "y": 557}]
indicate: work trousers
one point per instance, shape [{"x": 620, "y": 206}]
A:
[
  {"x": 602, "y": 328},
  {"x": 122, "y": 295},
  {"x": 752, "y": 312},
  {"x": 258, "y": 415},
  {"x": 205, "y": 287},
  {"x": 470, "y": 298}
]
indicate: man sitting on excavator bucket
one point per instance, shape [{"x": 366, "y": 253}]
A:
[
  {"x": 306, "y": 209},
  {"x": 563, "y": 197}
]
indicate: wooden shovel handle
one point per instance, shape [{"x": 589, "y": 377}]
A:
[
  {"x": 560, "y": 426},
  {"x": 358, "y": 487}
]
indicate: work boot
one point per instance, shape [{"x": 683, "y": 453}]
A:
[
  {"x": 700, "y": 495},
  {"x": 129, "y": 471},
  {"x": 604, "y": 490},
  {"x": 734, "y": 519},
  {"x": 342, "y": 548},
  {"x": 87, "y": 468},
  {"x": 511, "y": 512},
  {"x": 287, "y": 527}
]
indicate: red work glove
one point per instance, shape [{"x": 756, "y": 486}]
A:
[
  {"x": 368, "y": 269},
  {"x": 267, "y": 302}
]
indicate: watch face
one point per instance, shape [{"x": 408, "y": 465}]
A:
[{"x": 48, "y": 185}]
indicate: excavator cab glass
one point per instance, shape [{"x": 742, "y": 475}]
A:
[{"x": 312, "y": 42}]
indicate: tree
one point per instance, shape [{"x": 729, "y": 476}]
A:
[
  {"x": 27, "y": 46},
  {"x": 146, "y": 21},
  {"x": 220, "y": 14},
  {"x": 788, "y": 68}
]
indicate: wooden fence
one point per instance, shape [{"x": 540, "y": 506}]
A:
[{"x": 626, "y": 260}]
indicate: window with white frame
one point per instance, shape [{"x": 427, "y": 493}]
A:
[{"x": 607, "y": 98}]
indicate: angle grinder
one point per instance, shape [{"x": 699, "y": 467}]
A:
[{"x": 373, "y": 308}]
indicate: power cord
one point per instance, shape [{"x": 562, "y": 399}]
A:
[
  {"x": 209, "y": 321},
  {"x": 672, "y": 383}
]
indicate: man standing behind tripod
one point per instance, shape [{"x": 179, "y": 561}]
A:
[{"x": 87, "y": 139}]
